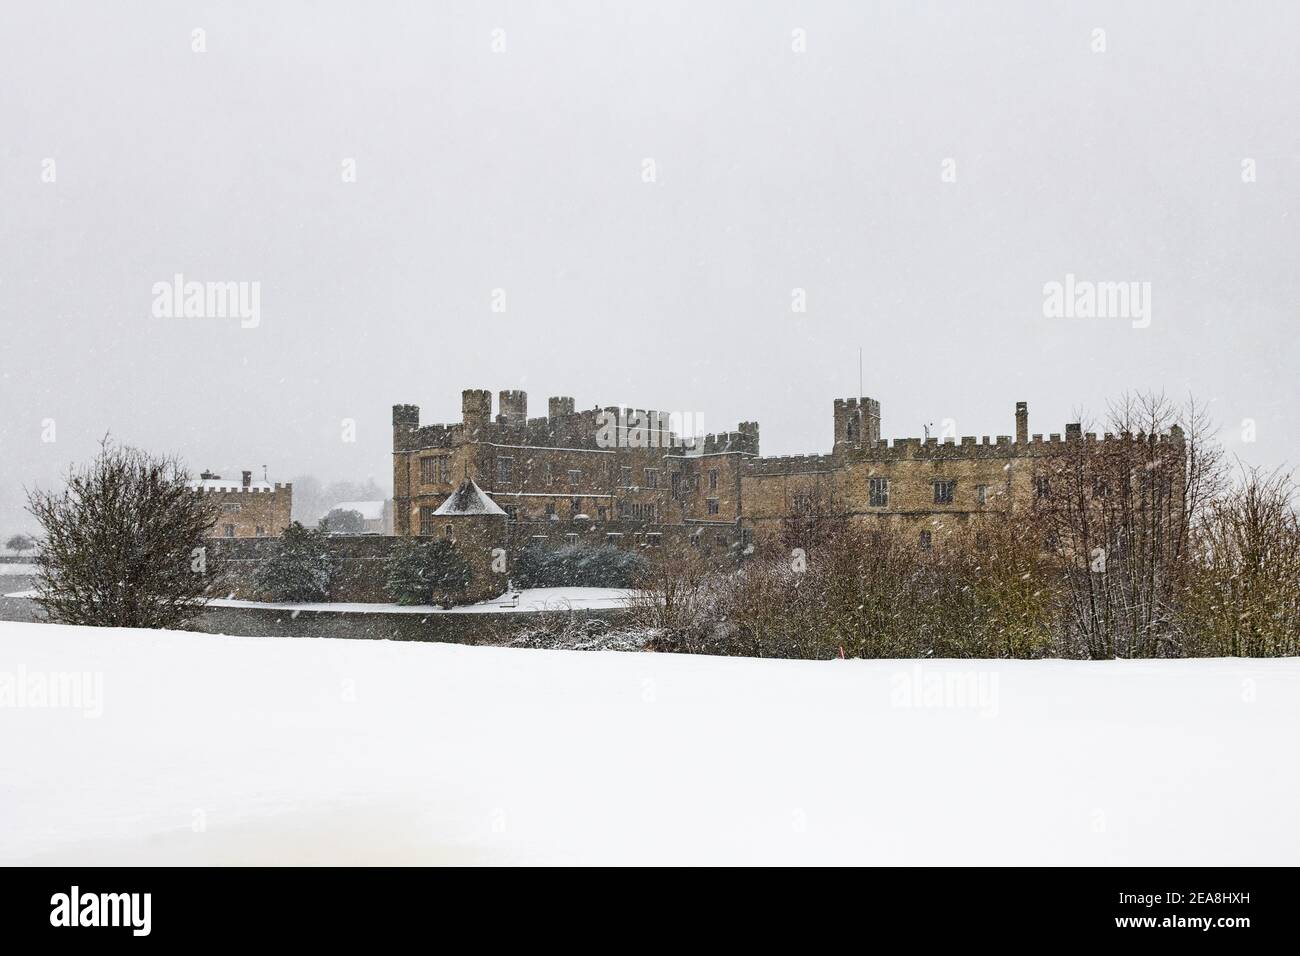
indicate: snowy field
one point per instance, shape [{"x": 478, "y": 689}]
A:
[
  {"x": 190, "y": 748},
  {"x": 525, "y": 600}
]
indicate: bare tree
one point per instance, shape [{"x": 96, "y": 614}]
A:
[
  {"x": 123, "y": 543},
  {"x": 1244, "y": 598},
  {"x": 1119, "y": 514},
  {"x": 674, "y": 598}
]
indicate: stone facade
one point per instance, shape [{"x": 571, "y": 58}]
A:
[
  {"x": 249, "y": 509},
  {"x": 569, "y": 476}
]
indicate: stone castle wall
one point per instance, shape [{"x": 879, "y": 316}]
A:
[
  {"x": 251, "y": 512},
  {"x": 721, "y": 484}
]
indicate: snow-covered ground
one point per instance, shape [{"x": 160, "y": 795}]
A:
[
  {"x": 190, "y": 748},
  {"x": 528, "y": 599},
  {"x": 9, "y": 569}
]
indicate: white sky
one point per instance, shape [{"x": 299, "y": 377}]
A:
[{"x": 522, "y": 170}]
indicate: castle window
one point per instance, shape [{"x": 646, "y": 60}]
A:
[
  {"x": 426, "y": 519},
  {"x": 231, "y": 507},
  {"x": 982, "y": 494},
  {"x": 547, "y": 477},
  {"x": 512, "y": 511},
  {"x": 435, "y": 469},
  {"x": 260, "y": 532},
  {"x": 677, "y": 484},
  {"x": 853, "y": 427},
  {"x": 927, "y": 540},
  {"x": 575, "y": 476},
  {"x": 713, "y": 479},
  {"x": 575, "y": 506},
  {"x": 878, "y": 492},
  {"x": 943, "y": 491},
  {"x": 228, "y": 530},
  {"x": 447, "y": 532},
  {"x": 712, "y": 506},
  {"x": 505, "y": 470},
  {"x": 802, "y": 504},
  {"x": 652, "y": 539},
  {"x": 652, "y": 477},
  {"x": 550, "y": 509},
  {"x": 1100, "y": 487},
  {"x": 1042, "y": 487},
  {"x": 625, "y": 477},
  {"x": 602, "y": 513},
  {"x": 571, "y": 538}
]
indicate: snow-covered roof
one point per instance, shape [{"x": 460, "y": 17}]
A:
[
  {"x": 469, "y": 499},
  {"x": 369, "y": 510}
]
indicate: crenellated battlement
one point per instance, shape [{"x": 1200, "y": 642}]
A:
[
  {"x": 789, "y": 465},
  {"x": 742, "y": 442},
  {"x": 612, "y": 426},
  {"x": 234, "y": 489}
]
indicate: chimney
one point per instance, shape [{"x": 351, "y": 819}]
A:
[
  {"x": 248, "y": 479},
  {"x": 1022, "y": 423}
]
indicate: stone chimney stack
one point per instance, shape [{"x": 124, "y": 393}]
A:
[
  {"x": 248, "y": 479},
  {"x": 1022, "y": 423}
]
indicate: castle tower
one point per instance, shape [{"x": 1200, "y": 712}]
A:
[
  {"x": 406, "y": 419},
  {"x": 559, "y": 406},
  {"x": 857, "y": 422},
  {"x": 476, "y": 407},
  {"x": 1022, "y": 423},
  {"x": 513, "y": 407},
  {"x": 477, "y": 528}
]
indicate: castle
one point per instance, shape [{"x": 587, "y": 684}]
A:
[
  {"x": 625, "y": 476},
  {"x": 249, "y": 509}
]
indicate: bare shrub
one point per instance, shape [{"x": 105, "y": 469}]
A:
[
  {"x": 862, "y": 593},
  {"x": 676, "y": 600},
  {"x": 1243, "y": 598}
]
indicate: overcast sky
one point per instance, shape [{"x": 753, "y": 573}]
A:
[{"x": 524, "y": 169}]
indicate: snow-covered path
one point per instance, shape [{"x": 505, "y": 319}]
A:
[{"x": 262, "y": 750}]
